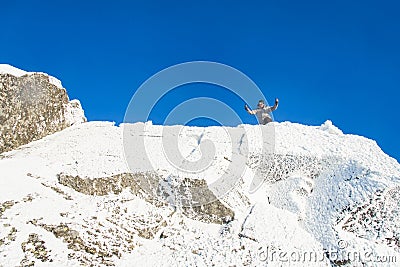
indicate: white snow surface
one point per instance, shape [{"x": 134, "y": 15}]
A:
[
  {"x": 8, "y": 69},
  {"x": 292, "y": 216},
  {"x": 74, "y": 113}
]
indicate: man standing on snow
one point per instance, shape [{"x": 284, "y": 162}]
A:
[{"x": 263, "y": 112}]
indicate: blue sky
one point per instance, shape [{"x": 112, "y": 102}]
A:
[{"x": 336, "y": 60}]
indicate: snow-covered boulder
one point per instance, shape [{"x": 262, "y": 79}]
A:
[{"x": 33, "y": 105}]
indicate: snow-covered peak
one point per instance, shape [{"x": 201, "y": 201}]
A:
[
  {"x": 8, "y": 69},
  {"x": 330, "y": 128}
]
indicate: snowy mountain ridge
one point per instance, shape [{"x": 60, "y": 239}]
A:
[
  {"x": 79, "y": 198},
  {"x": 76, "y": 193}
]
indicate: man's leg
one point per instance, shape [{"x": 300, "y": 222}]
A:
[{"x": 267, "y": 120}]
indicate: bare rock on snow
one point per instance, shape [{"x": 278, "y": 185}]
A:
[{"x": 147, "y": 186}]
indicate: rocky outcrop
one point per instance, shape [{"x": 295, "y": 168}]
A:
[
  {"x": 33, "y": 105},
  {"x": 142, "y": 184},
  {"x": 147, "y": 186}
]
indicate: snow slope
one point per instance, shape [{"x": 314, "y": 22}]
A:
[{"x": 327, "y": 199}]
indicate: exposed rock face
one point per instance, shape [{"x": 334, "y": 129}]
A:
[
  {"x": 113, "y": 184},
  {"x": 146, "y": 185},
  {"x": 33, "y": 105}
]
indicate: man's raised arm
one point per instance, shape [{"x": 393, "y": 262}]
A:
[
  {"x": 251, "y": 112},
  {"x": 274, "y": 107}
]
